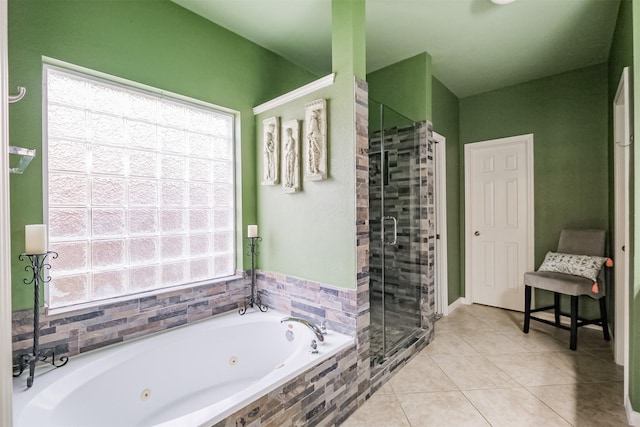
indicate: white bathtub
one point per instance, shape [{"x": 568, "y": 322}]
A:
[{"x": 195, "y": 375}]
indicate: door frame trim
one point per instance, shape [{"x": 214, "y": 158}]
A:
[
  {"x": 622, "y": 132},
  {"x": 6, "y": 376},
  {"x": 530, "y": 244},
  {"x": 442, "y": 280}
]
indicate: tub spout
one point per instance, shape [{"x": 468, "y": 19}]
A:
[{"x": 316, "y": 330}]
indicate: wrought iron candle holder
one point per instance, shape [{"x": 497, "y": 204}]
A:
[
  {"x": 37, "y": 268},
  {"x": 254, "y": 298}
]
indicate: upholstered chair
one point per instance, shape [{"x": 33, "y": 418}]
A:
[{"x": 576, "y": 269}]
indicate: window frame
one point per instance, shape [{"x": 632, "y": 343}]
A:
[{"x": 129, "y": 85}]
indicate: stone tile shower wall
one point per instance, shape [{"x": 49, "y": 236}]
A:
[
  {"x": 428, "y": 226},
  {"x": 408, "y": 185},
  {"x": 399, "y": 181},
  {"x": 424, "y": 247},
  {"x": 363, "y": 315}
]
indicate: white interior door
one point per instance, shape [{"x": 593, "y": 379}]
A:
[
  {"x": 621, "y": 150},
  {"x": 498, "y": 220}
]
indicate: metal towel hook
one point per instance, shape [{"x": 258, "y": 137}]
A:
[{"x": 22, "y": 91}]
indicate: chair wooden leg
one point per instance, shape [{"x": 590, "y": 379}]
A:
[
  {"x": 556, "y": 307},
  {"x": 603, "y": 319},
  {"x": 527, "y": 308},
  {"x": 573, "y": 343}
]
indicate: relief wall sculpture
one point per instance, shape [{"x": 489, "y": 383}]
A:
[
  {"x": 291, "y": 156},
  {"x": 315, "y": 118},
  {"x": 271, "y": 150}
]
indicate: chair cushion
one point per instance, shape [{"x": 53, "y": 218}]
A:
[
  {"x": 579, "y": 265},
  {"x": 562, "y": 283}
]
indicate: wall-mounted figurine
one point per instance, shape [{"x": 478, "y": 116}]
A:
[
  {"x": 271, "y": 150},
  {"x": 291, "y": 156},
  {"x": 315, "y": 117}
]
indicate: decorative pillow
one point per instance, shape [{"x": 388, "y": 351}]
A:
[{"x": 579, "y": 265}]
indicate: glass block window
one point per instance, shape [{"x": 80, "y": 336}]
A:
[{"x": 139, "y": 191}]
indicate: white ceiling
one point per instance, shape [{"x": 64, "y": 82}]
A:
[{"x": 475, "y": 45}]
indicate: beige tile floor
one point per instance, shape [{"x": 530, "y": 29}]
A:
[{"x": 482, "y": 370}]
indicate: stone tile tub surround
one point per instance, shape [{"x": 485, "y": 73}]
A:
[
  {"x": 310, "y": 300},
  {"x": 331, "y": 392},
  {"x": 324, "y": 395},
  {"x": 87, "y": 329},
  {"x": 234, "y": 375}
]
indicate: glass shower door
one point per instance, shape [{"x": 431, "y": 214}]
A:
[{"x": 394, "y": 220}]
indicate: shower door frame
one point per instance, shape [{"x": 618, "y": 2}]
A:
[{"x": 388, "y": 350}]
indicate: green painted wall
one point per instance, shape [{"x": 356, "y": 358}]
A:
[
  {"x": 153, "y": 42},
  {"x": 446, "y": 121},
  {"x": 567, "y": 113},
  {"x": 404, "y": 87},
  {"x": 620, "y": 56},
  {"x": 311, "y": 234},
  {"x": 348, "y": 28},
  {"x": 634, "y": 297}
]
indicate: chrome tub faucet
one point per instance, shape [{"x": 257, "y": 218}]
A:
[{"x": 316, "y": 330}]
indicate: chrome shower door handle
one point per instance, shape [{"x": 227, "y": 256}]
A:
[{"x": 395, "y": 230}]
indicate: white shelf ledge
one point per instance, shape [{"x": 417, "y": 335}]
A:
[
  {"x": 26, "y": 155},
  {"x": 296, "y": 93}
]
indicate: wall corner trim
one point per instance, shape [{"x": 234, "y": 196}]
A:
[
  {"x": 633, "y": 417},
  {"x": 457, "y": 303},
  {"x": 296, "y": 93}
]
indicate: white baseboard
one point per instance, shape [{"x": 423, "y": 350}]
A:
[
  {"x": 457, "y": 304},
  {"x": 633, "y": 417}
]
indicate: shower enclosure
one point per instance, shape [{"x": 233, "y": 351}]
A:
[{"x": 399, "y": 230}]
